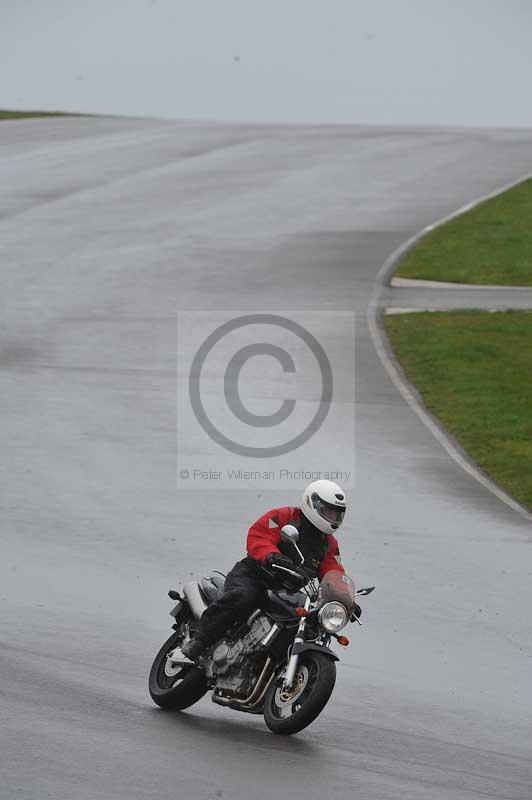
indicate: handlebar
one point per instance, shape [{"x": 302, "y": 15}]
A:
[{"x": 285, "y": 569}]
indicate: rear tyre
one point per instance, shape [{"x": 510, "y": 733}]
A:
[
  {"x": 287, "y": 712},
  {"x": 175, "y": 688}
]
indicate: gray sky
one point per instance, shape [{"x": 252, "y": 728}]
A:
[{"x": 459, "y": 62}]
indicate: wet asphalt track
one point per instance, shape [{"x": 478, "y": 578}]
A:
[{"x": 106, "y": 228}]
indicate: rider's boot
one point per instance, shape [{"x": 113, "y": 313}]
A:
[
  {"x": 192, "y": 648},
  {"x": 188, "y": 653}
]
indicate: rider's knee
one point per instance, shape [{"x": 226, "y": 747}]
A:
[{"x": 241, "y": 600}]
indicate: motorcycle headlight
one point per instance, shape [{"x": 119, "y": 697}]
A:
[{"x": 333, "y": 617}]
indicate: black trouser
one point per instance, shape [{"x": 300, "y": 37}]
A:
[{"x": 243, "y": 592}]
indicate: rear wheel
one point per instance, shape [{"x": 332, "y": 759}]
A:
[
  {"x": 175, "y": 687},
  {"x": 289, "y": 711}
]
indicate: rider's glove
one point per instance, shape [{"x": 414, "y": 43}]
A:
[
  {"x": 292, "y": 582},
  {"x": 296, "y": 582},
  {"x": 279, "y": 560}
]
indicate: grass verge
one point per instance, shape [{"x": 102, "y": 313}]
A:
[
  {"x": 474, "y": 372},
  {"x": 490, "y": 244},
  {"x": 6, "y": 114}
]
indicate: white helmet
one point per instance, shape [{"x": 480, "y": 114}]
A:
[{"x": 324, "y": 505}]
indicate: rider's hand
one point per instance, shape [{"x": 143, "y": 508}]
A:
[
  {"x": 295, "y": 582},
  {"x": 279, "y": 560}
]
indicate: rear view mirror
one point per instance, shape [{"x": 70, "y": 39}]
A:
[
  {"x": 289, "y": 533},
  {"x": 365, "y": 592}
]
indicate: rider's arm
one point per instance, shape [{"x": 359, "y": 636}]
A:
[
  {"x": 264, "y": 536},
  {"x": 332, "y": 559}
]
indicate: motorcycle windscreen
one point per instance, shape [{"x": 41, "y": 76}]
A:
[{"x": 337, "y": 586}]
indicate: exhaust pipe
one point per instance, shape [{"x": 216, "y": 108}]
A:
[
  {"x": 194, "y": 598},
  {"x": 256, "y": 696}
]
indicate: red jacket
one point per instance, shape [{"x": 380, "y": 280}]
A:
[{"x": 264, "y": 536}]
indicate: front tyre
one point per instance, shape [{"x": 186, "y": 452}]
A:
[
  {"x": 175, "y": 688},
  {"x": 289, "y": 711}
]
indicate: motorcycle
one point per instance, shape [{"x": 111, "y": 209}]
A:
[{"x": 277, "y": 663}]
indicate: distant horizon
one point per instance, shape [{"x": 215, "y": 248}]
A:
[
  {"x": 43, "y": 112},
  {"x": 423, "y": 65}
]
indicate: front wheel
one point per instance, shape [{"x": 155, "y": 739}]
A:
[
  {"x": 175, "y": 688},
  {"x": 288, "y": 711}
]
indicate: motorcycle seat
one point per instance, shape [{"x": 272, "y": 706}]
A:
[
  {"x": 212, "y": 587},
  {"x": 218, "y": 579}
]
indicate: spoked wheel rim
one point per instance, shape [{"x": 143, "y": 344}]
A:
[{"x": 287, "y": 702}]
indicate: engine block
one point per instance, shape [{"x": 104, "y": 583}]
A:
[{"x": 236, "y": 665}]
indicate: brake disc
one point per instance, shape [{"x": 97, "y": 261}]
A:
[{"x": 287, "y": 697}]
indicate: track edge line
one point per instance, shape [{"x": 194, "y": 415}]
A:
[{"x": 395, "y": 371}]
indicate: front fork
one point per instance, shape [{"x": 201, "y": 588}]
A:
[{"x": 291, "y": 669}]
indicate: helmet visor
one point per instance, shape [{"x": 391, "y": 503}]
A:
[{"x": 333, "y": 514}]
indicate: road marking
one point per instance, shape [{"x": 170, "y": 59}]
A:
[
  {"x": 391, "y": 310},
  {"x": 415, "y": 283}
]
